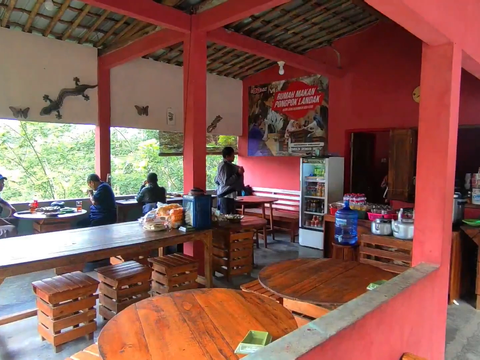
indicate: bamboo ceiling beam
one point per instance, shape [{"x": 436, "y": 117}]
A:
[
  {"x": 111, "y": 31},
  {"x": 250, "y": 62},
  {"x": 94, "y": 27},
  {"x": 298, "y": 20},
  {"x": 124, "y": 31},
  {"x": 261, "y": 65},
  {"x": 244, "y": 69},
  {"x": 125, "y": 41},
  {"x": 31, "y": 17},
  {"x": 6, "y": 14},
  {"x": 169, "y": 51},
  {"x": 138, "y": 26},
  {"x": 77, "y": 21},
  {"x": 217, "y": 58},
  {"x": 262, "y": 18},
  {"x": 231, "y": 64},
  {"x": 57, "y": 17}
]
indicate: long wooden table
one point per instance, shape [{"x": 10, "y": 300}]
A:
[{"x": 27, "y": 254}]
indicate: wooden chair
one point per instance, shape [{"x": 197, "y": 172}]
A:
[
  {"x": 304, "y": 312},
  {"x": 257, "y": 288},
  {"x": 233, "y": 254},
  {"x": 173, "y": 273},
  {"x": 386, "y": 252},
  {"x": 66, "y": 307},
  {"x": 408, "y": 356},
  {"x": 122, "y": 285},
  {"x": 90, "y": 353}
]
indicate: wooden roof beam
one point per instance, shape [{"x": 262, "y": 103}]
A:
[
  {"x": 144, "y": 46},
  {"x": 232, "y": 11},
  {"x": 94, "y": 27},
  {"x": 147, "y": 11},
  {"x": 32, "y": 15},
  {"x": 6, "y": 15},
  {"x": 57, "y": 17},
  {"x": 259, "y": 48},
  {"x": 77, "y": 21}
]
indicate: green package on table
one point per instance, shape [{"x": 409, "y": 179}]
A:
[
  {"x": 253, "y": 341},
  {"x": 376, "y": 284}
]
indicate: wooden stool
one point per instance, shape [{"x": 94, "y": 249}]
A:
[
  {"x": 90, "y": 353},
  {"x": 345, "y": 252},
  {"x": 66, "y": 307},
  {"x": 408, "y": 356},
  {"x": 122, "y": 285},
  {"x": 173, "y": 273},
  {"x": 233, "y": 254},
  {"x": 141, "y": 258},
  {"x": 257, "y": 288}
]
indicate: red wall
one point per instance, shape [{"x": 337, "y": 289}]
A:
[{"x": 383, "y": 69}]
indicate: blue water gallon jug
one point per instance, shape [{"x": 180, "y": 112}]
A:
[{"x": 346, "y": 221}]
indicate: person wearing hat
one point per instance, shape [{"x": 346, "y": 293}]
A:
[
  {"x": 4, "y": 205},
  {"x": 150, "y": 193}
]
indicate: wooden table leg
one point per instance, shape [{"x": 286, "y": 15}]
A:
[
  {"x": 265, "y": 228},
  {"x": 271, "y": 222},
  {"x": 455, "y": 268},
  {"x": 243, "y": 209},
  {"x": 208, "y": 258}
]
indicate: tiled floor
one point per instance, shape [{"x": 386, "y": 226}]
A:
[{"x": 20, "y": 340}]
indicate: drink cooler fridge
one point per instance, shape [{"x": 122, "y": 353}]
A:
[{"x": 310, "y": 178}]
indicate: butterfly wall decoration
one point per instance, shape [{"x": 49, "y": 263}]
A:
[
  {"x": 142, "y": 110},
  {"x": 19, "y": 113}
]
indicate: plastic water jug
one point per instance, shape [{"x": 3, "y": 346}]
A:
[{"x": 346, "y": 226}]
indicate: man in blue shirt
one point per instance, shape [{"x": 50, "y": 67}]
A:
[{"x": 103, "y": 210}]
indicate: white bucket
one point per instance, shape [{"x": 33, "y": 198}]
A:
[{"x": 476, "y": 196}]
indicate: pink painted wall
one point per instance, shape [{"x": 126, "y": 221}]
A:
[{"x": 389, "y": 331}]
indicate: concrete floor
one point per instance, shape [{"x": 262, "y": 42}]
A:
[{"x": 20, "y": 340}]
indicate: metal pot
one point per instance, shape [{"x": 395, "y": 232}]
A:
[
  {"x": 402, "y": 228},
  {"x": 381, "y": 227},
  {"x": 458, "y": 208}
]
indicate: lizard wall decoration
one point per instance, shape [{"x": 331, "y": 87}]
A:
[{"x": 56, "y": 105}]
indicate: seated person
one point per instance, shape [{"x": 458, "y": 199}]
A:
[
  {"x": 150, "y": 193},
  {"x": 9, "y": 209},
  {"x": 103, "y": 210}
]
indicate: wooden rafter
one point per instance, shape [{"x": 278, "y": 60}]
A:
[
  {"x": 262, "y": 18},
  {"x": 77, "y": 21},
  {"x": 57, "y": 17},
  {"x": 31, "y": 17},
  {"x": 111, "y": 31},
  {"x": 299, "y": 19},
  {"x": 125, "y": 41},
  {"x": 246, "y": 64},
  {"x": 94, "y": 27},
  {"x": 260, "y": 67},
  {"x": 169, "y": 51},
  {"x": 262, "y": 63},
  {"x": 232, "y": 65},
  {"x": 6, "y": 15},
  {"x": 252, "y": 63},
  {"x": 124, "y": 31},
  {"x": 137, "y": 26}
]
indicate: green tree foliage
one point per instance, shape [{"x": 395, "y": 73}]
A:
[{"x": 51, "y": 161}]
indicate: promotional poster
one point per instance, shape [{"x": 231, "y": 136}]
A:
[{"x": 288, "y": 118}]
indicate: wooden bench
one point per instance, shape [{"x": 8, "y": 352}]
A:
[
  {"x": 286, "y": 211},
  {"x": 257, "y": 288}
]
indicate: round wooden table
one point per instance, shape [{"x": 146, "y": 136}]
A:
[
  {"x": 327, "y": 283},
  {"x": 259, "y": 200},
  {"x": 44, "y": 224},
  {"x": 192, "y": 324}
]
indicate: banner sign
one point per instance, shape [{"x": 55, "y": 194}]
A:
[{"x": 289, "y": 118}]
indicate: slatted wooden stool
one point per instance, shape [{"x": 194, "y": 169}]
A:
[
  {"x": 233, "y": 254},
  {"x": 257, "y": 288},
  {"x": 66, "y": 307},
  {"x": 122, "y": 285},
  {"x": 90, "y": 353},
  {"x": 173, "y": 273}
]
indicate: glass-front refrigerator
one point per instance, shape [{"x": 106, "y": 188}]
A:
[{"x": 321, "y": 183}]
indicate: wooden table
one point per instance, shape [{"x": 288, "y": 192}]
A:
[
  {"x": 259, "y": 200},
  {"x": 192, "y": 324},
  {"x": 27, "y": 254},
  {"x": 125, "y": 206},
  {"x": 327, "y": 283},
  {"x": 45, "y": 224}
]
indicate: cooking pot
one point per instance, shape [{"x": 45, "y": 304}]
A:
[
  {"x": 458, "y": 208},
  {"x": 381, "y": 227},
  {"x": 403, "y": 228}
]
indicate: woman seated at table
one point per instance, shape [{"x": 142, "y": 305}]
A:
[
  {"x": 150, "y": 193},
  {"x": 104, "y": 209}
]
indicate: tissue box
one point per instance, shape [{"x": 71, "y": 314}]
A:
[{"x": 254, "y": 341}]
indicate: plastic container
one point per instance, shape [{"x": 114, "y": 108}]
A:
[
  {"x": 476, "y": 196},
  {"x": 346, "y": 221},
  {"x": 198, "y": 211},
  {"x": 255, "y": 340}
]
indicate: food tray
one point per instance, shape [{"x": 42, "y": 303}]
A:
[{"x": 253, "y": 341}]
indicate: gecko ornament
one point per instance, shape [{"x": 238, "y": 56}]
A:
[{"x": 56, "y": 105}]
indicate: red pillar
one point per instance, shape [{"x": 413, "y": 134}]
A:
[
  {"x": 437, "y": 146},
  {"x": 195, "y": 125},
  {"x": 102, "y": 131}
]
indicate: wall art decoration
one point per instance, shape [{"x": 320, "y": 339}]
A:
[
  {"x": 214, "y": 124},
  {"x": 56, "y": 105},
  {"x": 19, "y": 113},
  {"x": 142, "y": 110}
]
